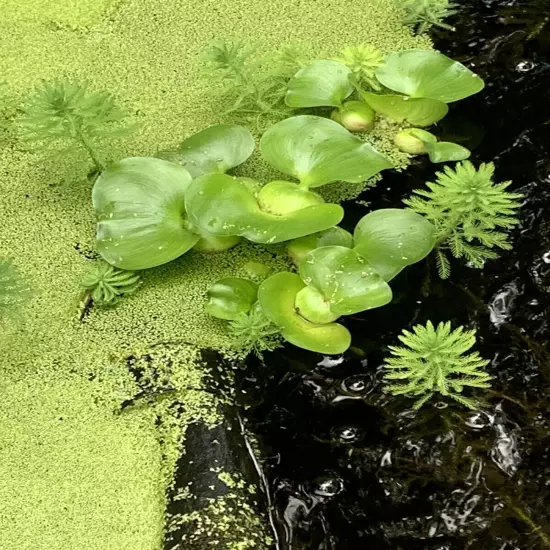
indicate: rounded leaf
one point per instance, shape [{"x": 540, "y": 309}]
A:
[
  {"x": 317, "y": 151},
  {"x": 312, "y": 306},
  {"x": 345, "y": 280},
  {"x": 214, "y": 150},
  {"x": 416, "y": 111},
  {"x": 393, "y": 238},
  {"x": 221, "y": 205},
  {"x": 445, "y": 151},
  {"x": 320, "y": 84},
  {"x": 282, "y": 197},
  {"x": 413, "y": 141},
  {"x": 428, "y": 74},
  {"x": 140, "y": 207},
  {"x": 298, "y": 249},
  {"x": 277, "y": 296},
  {"x": 230, "y": 297}
]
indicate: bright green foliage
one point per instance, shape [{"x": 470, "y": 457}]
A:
[
  {"x": 390, "y": 239},
  {"x": 428, "y": 74},
  {"x": 63, "y": 112},
  {"x": 215, "y": 149},
  {"x": 424, "y": 14},
  {"x": 417, "y": 142},
  {"x": 106, "y": 284},
  {"x": 434, "y": 361},
  {"x": 252, "y": 332},
  {"x": 231, "y": 297},
  {"x": 363, "y": 60},
  {"x": 469, "y": 211},
  {"x": 298, "y": 249},
  {"x": 249, "y": 93},
  {"x": 317, "y": 151},
  {"x": 13, "y": 289}
]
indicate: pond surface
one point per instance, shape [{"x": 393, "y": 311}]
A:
[{"x": 350, "y": 467}]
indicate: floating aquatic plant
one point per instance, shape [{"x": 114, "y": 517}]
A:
[
  {"x": 470, "y": 213},
  {"x": 106, "y": 284},
  {"x": 432, "y": 361},
  {"x": 363, "y": 60},
  {"x": 424, "y": 14},
  {"x": 420, "y": 142},
  {"x": 13, "y": 289},
  {"x": 63, "y": 111}
]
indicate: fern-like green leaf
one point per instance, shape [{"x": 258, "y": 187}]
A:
[
  {"x": 424, "y": 14},
  {"x": 433, "y": 360},
  {"x": 470, "y": 212},
  {"x": 106, "y": 284},
  {"x": 363, "y": 60},
  {"x": 13, "y": 290}
]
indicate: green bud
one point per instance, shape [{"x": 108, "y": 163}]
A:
[
  {"x": 312, "y": 306},
  {"x": 355, "y": 116},
  {"x": 211, "y": 243},
  {"x": 413, "y": 141},
  {"x": 283, "y": 197}
]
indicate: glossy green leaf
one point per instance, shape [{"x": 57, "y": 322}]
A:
[
  {"x": 317, "y": 151},
  {"x": 393, "y": 238},
  {"x": 298, "y": 249},
  {"x": 221, "y": 205},
  {"x": 345, "y": 280},
  {"x": 214, "y": 150},
  {"x": 416, "y": 111},
  {"x": 283, "y": 197},
  {"x": 428, "y": 74},
  {"x": 228, "y": 298},
  {"x": 277, "y": 296},
  {"x": 413, "y": 141},
  {"x": 445, "y": 151},
  {"x": 140, "y": 206},
  {"x": 320, "y": 84},
  {"x": 313, "y": 306}
]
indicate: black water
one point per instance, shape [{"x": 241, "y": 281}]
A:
[{"x": 351, "y": 468}]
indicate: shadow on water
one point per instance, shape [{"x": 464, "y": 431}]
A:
[{"x": 349, "y": 467}]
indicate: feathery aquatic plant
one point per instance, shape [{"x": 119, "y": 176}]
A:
[
  {"x": 106, "y": 284},
  {"x": 363, "y": 60},
  {"x": 424, "y": 14},
  {"x": 13, "y": 289},
  {"x": 470, "y": 213},
  {"x": 434, "y": 361},
  {"x": 63, "y": 111}
]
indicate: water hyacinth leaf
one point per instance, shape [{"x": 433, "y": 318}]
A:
[
  {"x": 320, "y": 84},
  {"x": 298, "y": 249},
  {"x": 416, "y": 111},
  {"x": 345, "y": 279},
  {"x": 214, "y": 150},
  {"x": 140, "y": 207},
  {"x": 221, "y": 205},
  {"x": 393, "y": 238},
  {"x": 445, "y": 151},
  {"x": 428, "y": 74},
  {"x": 277, "y": 296},
  {"x": 230, "y": 297},
  {"x": 283, "y": 197},
  {"x": 317, "y": 151}
]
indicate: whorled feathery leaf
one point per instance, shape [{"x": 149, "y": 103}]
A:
[
  {"x": 64, "y": 110},
  {"x": 106, "y": 284},
  {"x": 363, "y": 60},
  {"x": 434, "y": 361},
  {"x": 424, "y": 14},
  {"x": 252, "y": 332},
  {"x": 13, "y": 289},
  {"x": 470, "y": 213}
]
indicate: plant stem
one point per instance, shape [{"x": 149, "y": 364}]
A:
[
  {"x": 536, "y": 529},
  {"x": 90, "y": 149}
]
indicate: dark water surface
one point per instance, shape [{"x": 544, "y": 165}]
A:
[{"x": 349, "y": 467}]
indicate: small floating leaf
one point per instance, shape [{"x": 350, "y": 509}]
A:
[
  {"x": 230, "y": 297},
  {"x": 428, "y": 74},
  {"x": 335, "y": 236},
  {"x": 214, "y": 150},
  {"x": 221, "y": 205},
  {"x": 317, "y": 151},
  {"x": 345, "y": 280},
  {"x": 277, "y": 296},
  {"x": 445, "y": 151},
  {"x": 320, "y": 84},
  {"x": 392, "y": 238},
  {"x": 140, "y": 208},
  {"x": 416, "y": 111}
]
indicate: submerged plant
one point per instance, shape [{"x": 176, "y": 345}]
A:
[
  {"x": 65, "y": 112},
  {"x": 470, "y": 213},
  {"x": 424, "y": 14},
  {"x": 434, "y": 361},
  {"x": 106, "y": 284},
  {"x": 363, "y": 60},
  {"x": 13, "y": 289}
]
